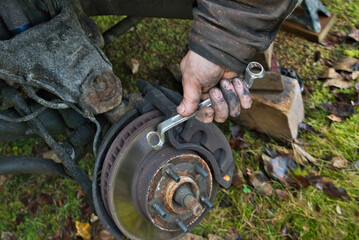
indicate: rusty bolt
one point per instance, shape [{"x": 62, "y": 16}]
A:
[
  {"x": 159, "y": 210},
  {"x": 173, "y": 174},
  {"x": 182, "y": 226},
  {"x": 202, "y": 172},
  {"x": 207, "y": 203}
]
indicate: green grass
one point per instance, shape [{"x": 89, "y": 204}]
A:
[{"x": 309, "y": 213}]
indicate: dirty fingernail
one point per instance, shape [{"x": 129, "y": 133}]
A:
[
  {"x": 215, "y": 93},
  {"x": 181, "y": 108}
]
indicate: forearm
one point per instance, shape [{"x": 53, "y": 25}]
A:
[{"x": 230, "y": 32}]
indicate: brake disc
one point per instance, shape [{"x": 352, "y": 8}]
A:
[{"x": 153, "y": 194}]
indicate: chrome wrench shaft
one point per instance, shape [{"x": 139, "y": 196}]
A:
[{"x": 156, "y": 139}]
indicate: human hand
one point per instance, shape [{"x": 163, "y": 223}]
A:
[{"x": 199, "y": 79}]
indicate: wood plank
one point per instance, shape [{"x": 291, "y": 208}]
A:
[{"x": 301, "y": 30}]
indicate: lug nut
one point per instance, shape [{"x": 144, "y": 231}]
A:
[
  {"x": 173, "y": 175},
  {"x": 182, "y": 226},
  {"x": 159, "y": 210},
  {"x": 207, "y": 203},
  {"x": 202, "y": 172}
]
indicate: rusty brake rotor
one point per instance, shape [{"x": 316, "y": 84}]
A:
[{"x": 154, "y": 194}]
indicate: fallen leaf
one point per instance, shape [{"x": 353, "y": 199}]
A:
[
  {"x": 232, "y": 234},
  {"x": 4, "y": 178},
  {"x": 237, "y": 179},
  {"x": 237, "y": 144},
  {"x": 343, "y": 97},
  {"x": 260, "y": 182},
  {"x": 214, "y": 237},
  {"x": 354, "y": 75},
  {"x": 339, "y": 162},
  {"x": 99, "y": 232},
  {"x": 328, "y": 187},
  {"x": 8, "y": 236},
  {"x": 307, "y": 128},
  {"x": 339, "y": 83},
  {"x": 340, "y": 109},
  {"x": 303, "y": 154},
  {"x": 339, "y": 210},
  {"x": 335, "y": 118},
  {"x": 355, "y": 35},
  {"x": 280, "y": 168},
  {"x": 345, "y": 63},
  {"x": 93, "y": 218},
  {"x": 283, "y": 195},
  {"x": 83, "y": 230},
  {"x": 330, "y": 73},
  {"x": 133, "y": 64},
  {"x": 51, "y": 155},
  {"x": 190, "y": 236},
  {"x": 357, "y": 87}
]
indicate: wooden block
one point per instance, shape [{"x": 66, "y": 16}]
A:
[
  {"x": 271, "y": 81},
  {"x": 299, "y": 29},
  {"x": 275, "y": 113},
  {"x": 265, "y": 57}
]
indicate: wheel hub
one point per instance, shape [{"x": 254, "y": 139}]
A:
[{"x": 173, "y": 187}]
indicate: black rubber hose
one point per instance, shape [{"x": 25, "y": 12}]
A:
[{"x": 31, "y": 165}]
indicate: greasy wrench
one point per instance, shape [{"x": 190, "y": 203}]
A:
[{"x": 156, "y": 139}]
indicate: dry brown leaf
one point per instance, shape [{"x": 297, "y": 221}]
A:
[
  {"x": 328, "y": 187},
  {"x": 339, "y": 83},
  {"x": 283, "y": 195},
  {"x": 100, "y": 233},
  {"x": 303, "y": 154},
  {"x": 339, "y": 162},
  {"x": 51, "y": 155},
  {"x": 330, "y": 73},
  {"x": 260, "y": 182},
  {"x": 214, "y": 237},
  {"x": 355, "y": 75},
  {"x": 190, "y": 236},
  {"x": 8, "y": 236},
  {"x": 133, "y": 64},
  {"x": 83, "y": 230},
  {"x": 335, "y": 118},
  {"x": 93, "y": 218},
  {"x": 237, "y": 179},
  {"x": 355, "y": 35},
  {"x": 344, "y": 63},
  {"x": 4, "y": 178},
  {"x": 341, "y": 109}
]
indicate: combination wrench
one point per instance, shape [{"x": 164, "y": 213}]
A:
[{"x": 156, "y": 139}]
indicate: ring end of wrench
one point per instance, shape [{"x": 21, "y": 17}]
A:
[{"x": 157, "y": 143}]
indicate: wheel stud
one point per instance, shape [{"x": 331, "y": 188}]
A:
[
  {"x": 159, "y": 210},
  {"x": 182, "y": 226},
  {"x": 173, "y": 174},
  {"x": 202, "y": 172},
  {"x": 207, "y": 203}
]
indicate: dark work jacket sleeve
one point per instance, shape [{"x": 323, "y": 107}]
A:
[{"x": 230, "y": 32}]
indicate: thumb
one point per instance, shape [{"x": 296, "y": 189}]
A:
[{"x": 192, "y": 91}]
